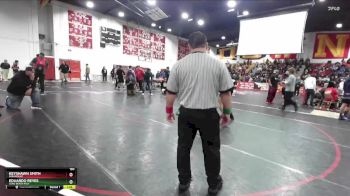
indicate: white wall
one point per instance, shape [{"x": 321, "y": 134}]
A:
[
  {"x": 309, "y": 42},
  {"x": 98, "y": 57},
  {"x": 19, "y": 37},
  {"x": 45, "y": 27}
]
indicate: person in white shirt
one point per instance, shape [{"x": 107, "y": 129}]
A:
[{"x": 310, "y": 87}]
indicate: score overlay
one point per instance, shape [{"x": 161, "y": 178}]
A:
[{"x": 41, "y": 178}]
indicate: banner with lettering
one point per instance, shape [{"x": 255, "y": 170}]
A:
[
  {"x": 283, "y": 56},
  {"x": 331, "y": 46},
  {"x": 80, "y": 29}
]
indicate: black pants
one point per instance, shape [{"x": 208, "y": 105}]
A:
[
  {"x": 297, "y": 89},
  {"x": 207, "y": 123},
  {"x": 288, "y": 99},
  {"x": 87, "y": 77},
  {"x": 104, "y": 77},
  {"x": 40, "y": 77},
  {"x": 149, "y": 86},
  {"x": 310, "y": 94},
  {"x": 141, "y": 86}
]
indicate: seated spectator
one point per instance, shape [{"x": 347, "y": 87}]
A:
[{"x": 22, "y": 84}]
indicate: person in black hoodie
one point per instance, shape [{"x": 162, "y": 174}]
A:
[
  {"x": 22, "y": 84},
  {"x": 148, "y": 80},
  {"x": 104, "y": 74}
]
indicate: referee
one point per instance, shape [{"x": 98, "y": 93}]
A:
[{"x": 196, "y": 81}]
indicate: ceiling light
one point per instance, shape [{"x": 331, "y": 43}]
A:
[
  {"x": 121, "y": 14},
  {"x": 217, "y": 45},
  {"x": 339, "y": 25},
  {"x": 151, "y": 2},
  {"x": 245, "y": 12},
  {"x": 153, "y": 24},
  {"x": 231, "y": 10},
  {"x": 231, "y": 4},
  {"x": 223, "y": 37},
  {"x": 159, "y": 27},
  {"x": 322, "y": 0},
  {"x": 90, "y": 4},
  {"x": 200, "y": 22},
  {"x": 169, "y": 29},
  {"x": 189, "y": 20},
  {"x": 184, "y": 15}
]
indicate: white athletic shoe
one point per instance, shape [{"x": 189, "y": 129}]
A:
[
  {"x": 151, "y": 94},
  {"x": 35, "y": 107},
  {"x": 143, "y": 93}
]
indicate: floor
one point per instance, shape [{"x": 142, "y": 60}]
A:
[{"x": 124, "y": 146}]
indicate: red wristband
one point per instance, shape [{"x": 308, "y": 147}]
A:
[{"x": 169, "y": 110}]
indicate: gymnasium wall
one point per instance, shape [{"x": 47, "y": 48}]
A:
[
  {"x": 19, "y": 31},
  {"x": 98, "y": 57}
]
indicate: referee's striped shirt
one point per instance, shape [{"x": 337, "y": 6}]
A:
[{"x": 197, "y": 80}]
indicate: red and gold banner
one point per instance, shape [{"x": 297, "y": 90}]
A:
[
  {"x": 283, "y": 56},
  {"x": 331, "y": 46},
  {"x": 80, "y": 29}
]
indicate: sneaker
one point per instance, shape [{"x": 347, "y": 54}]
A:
[
  {"x": 342, "y": 117},
  {"x": 36, "y": 108},
  {"x": 143, "y": 93},
  {"x": 151, "y": 94},
  {"x": 42, "y": 93},
  {"x": 215, "y": 190},
  {"x": 184, "y": 187}
]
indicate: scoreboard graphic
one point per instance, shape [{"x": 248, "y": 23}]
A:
[{"x": 46, "y": 178}]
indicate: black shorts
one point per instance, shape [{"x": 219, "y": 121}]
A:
[{"x": 346, "y": 101}]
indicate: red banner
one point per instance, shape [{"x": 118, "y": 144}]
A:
[
  {"x": 331, "y": 46},
  {"x": 141, "y": 43},
  {"x": 283, "y": 56},
  {"x": 183, "y": 49},
  {"x": 80, "y": 29}
]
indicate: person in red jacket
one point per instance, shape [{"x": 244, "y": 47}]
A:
[
  {"x": 331, "y": 93},
  {"x": 140, "y": 77},
  {"x": 40, "y": 65}
]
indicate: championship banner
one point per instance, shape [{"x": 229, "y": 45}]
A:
[
  {"x": 144, "y": 44},
  {"x": 229, "y": 53},
  {"x": 80, "y": 29},
  {"x": 331, "y": 46},
  {"x": 109, "y": 37},
  {"x": 283, "y": 56},
  {"x": 183, "y": 49}
]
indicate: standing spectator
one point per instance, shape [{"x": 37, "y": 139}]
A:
[
  {"x": 87, "y": 73},
  {"x": 310, "y": 87},
  {"x": 40, "y": 65},
  {"x": 297, "y": 86},
  {"x": 290, "y": 89},
  {"x": 64, "y": 70},
  {"x": 157, "y": 74},
  {"x": 113, "y": 72},
  {"x": 15, "y": 67},
  {"x": 345, "y": 101},
  {"x": 197, "y": 93},
  {"x": 119, "y": 77},
  {"x": 5, "y": 67},
  {"x": 130, "y": 82},
  {"x": 148, "y": 80},
  {"x": 22, "y": 84},
  {"x": 140, "y": 77},
  {"x": 273, "y": 85},
  {"x": 104, "y": 74}
]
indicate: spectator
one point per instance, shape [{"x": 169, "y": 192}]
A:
[
  {"x": 64, "y": 70},
  {"x": 310, "y": 87},
  {"x": 5, "y": 67},
  {"x": 104, "y": 74},
  {"x": 15, "y": 67}
]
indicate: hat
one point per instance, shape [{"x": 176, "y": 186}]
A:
[{"x": 29, "y": 69}]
